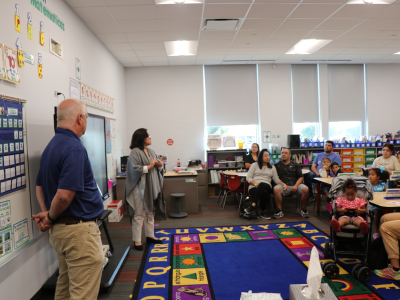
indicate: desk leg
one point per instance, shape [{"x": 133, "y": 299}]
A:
[{"x": 318, "y": 198}]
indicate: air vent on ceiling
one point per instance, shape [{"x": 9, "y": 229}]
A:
[{"x": 221, "y": 24}]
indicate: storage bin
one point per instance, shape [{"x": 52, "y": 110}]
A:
[
  {"x": 370, "y": 151},
  {"x": 369, "y": 158},
  {"x": 347, "y": 145},
  {"x": 363, "y": 145},
  {"x": 368, "y": 145},
  {"x": 347, "y": 166},
  {"x": 310, "y": 144},
  {"x": 321, "y": 144},
  {"x": 397, "y": 142},
  {"x": 358, "y": 145},
  {"x": 303, "y": 144},
  {"x": 306, "y": 161},
  {"x": 240, "y": 164},
  {"x": 379, "y": 144},
  {"x": 368, "y": 164},
  {"x": 231, "y": 164},
  {"x": 315, "y": 144},
  {"x": 348, "y": 171},
  {"x": 347, "y": 152},
  {"x": 353, "y": 145},
  {"x": 222, "y": 165},
  {"x": 238, "y": 158},
  {"x": 347, "y": 159},
  {"x": 342, "y": 145},
  {"x": 358, "y": 166},
  {"x": 358, "y": 158},
  {"x": 380, "y": 151},
  {"x": 391, "y": 142},
  {"x": 359, "y": 152}
]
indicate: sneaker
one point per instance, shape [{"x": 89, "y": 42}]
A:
[
  {"x": 265, "y": 216},
  {"x": 278, "y": 214},
  {"x": 376, "y": 235},
  {"x": 335, "y": 225},
  {"x": 304, "y": 213},
  {"x": 250, "y": 209},
  {"x": 312, "y": 199},
  {"x": 388, "y": 273}
]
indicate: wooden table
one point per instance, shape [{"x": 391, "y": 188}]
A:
[
  {"x": 327, "y": 180},
  {"x": 380, "y": 201}
]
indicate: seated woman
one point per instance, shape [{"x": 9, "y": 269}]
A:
[
  {"x": 251, "y": 158},
  {"x": 390, "y": 231},
  {"x": 387, "y": 160},
  {"x": 259, "y": 178}
]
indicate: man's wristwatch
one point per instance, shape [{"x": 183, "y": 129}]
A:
[{"x": 48, "y": 216}]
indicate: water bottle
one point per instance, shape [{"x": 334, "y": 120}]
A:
[{"x": 179, "y": 163}]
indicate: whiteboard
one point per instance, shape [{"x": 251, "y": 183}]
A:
[{"x": 15, "y": 205}]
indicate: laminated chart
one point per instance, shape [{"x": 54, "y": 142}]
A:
[
  {"x": 12, "y": 157},
  {"x": 6, "y": 241}
]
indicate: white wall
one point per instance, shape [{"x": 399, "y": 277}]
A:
[
  {"x": 100, "y": 70},
  {"x": 168, "y": 101},
  {"x": 383, "y": 98}
]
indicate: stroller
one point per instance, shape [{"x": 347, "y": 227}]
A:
[{"x": 351, "y": 243}]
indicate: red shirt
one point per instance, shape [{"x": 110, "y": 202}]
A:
[{"x": 357, "y": 203}]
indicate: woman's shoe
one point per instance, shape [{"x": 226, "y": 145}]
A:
[
  {"x": 138, "y": 247},
  {"x": 151, "y": 240}
]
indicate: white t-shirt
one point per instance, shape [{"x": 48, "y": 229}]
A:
[{"x": 390, "y": 164}]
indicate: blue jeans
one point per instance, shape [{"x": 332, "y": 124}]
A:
[{"x": 308, "y": 181}]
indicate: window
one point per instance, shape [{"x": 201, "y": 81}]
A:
[
  {"x": 246, "y": 133},
  {"x": 306, "y": 130},
  {"x": 351, "y": 130}
]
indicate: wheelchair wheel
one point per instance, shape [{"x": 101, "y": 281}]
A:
[
  {"x": 327, "y": 250},
  {"x": 364, "y": 274},
  {"x": 355, "y": 270},
  {"x": 331, "y": 270}
]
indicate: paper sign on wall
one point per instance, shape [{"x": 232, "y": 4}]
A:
[
  {"x": 30, "y": 33},
  {"x": 40, "y": 66},
  {"x": 17, "y": 19},
  {"x": 11, "y": 65},
  {"x": 20, "y": 53},
  {"x": 2, "y": 70},
  {"x": 78, "y": 68},
  {"x": 41, "y": 33}
]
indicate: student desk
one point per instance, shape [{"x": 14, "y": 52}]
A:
[
  {"x": 380, "y": 201},
  {"x": 182, "y": 183}
]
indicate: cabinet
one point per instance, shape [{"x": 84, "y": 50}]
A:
[{"x": 221, "y": 155}]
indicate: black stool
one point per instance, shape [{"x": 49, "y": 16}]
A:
[{"x": 178, "y": 213}]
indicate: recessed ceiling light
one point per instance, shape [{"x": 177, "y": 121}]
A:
[
  {"x": 370, "y": 1},
  {"x": 181, "y": 48},
  {"x": 178, "y": 1},
  {"x": 308, "y": 46},
  {"x": 397, "y": 53}
]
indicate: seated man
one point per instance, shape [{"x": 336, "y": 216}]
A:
[
  {"x": 390, "y": 231},
  {"x": 290, "y": 173}
]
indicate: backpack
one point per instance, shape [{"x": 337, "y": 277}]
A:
[
  {"x": 377, "y": 257},
  {"x": 242, "y": 214}
]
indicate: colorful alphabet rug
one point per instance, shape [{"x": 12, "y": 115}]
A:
[{"x": 218, "y": 263}]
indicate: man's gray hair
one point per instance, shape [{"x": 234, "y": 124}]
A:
[{"x": 68, "y": 110}]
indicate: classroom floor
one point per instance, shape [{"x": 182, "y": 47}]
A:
[{"x": 211, "y": 214}]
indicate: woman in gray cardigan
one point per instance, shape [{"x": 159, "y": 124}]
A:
[
  {"x": 143, "y": 187},
  {"x": 260, "y": 175}
]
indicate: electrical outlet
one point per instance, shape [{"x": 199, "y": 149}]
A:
[{"x": 55, "y": 94}]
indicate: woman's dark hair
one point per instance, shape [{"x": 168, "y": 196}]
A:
[
  {"x": 138, "y": 138},
  {"x": 383, "y": 175},
  {"x": 258, "y": 147},
  {"x": 389, "y": 146},
  {"x": 260, "y": 159},
  {"x": 349, "y": 184}
]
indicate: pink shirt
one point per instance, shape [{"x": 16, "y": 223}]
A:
[{"x": 357, "y": 203}]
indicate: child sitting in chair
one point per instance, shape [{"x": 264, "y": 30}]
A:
[{"x": 350, "y": 203}]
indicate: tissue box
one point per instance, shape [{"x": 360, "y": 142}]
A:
[
  {"x": 117, "y": 211},
  {"x": 295, "y": 292}
]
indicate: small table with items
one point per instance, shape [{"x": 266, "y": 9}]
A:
[{"x": 380, "y": 201}]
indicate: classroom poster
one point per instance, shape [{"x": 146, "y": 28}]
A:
[
  {"x": 94, "y": 98},
  {"x": 21, "y": 233},
  {"x": 6, "y": 245},
  {"x": 5, "y": 214},
  {"x": 11, "y": 64},
  {"x": 2, "y": 66}
]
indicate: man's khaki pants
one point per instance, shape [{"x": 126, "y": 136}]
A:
[
  {"x": 80, "y": 257},
  {"x": 390, "y": 231}
]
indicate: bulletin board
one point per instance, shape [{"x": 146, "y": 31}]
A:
[{"x": 15, "y": 205}]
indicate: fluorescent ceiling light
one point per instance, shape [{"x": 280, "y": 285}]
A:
[
  {"x": 178, "y": 1},
  {"x": 181, "y": 48},
  {"x": 308, "y": 46},
  {"x": 370, "y": 1},
  {"x": 397, "y": 53}
]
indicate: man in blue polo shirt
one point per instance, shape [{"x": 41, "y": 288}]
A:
[
  {"x": 317, "y": 164},
  {"x": 71, "y": 203}
]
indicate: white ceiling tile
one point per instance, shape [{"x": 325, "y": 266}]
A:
[
  {"x": 293, "y": 56},
  {"x": 319, "y": 56},
  {"x": 345, "y": 56},
  {"x": 154, "y": 59},
  {"x": 315, "y": 10},
  {"x": 136, "y": 37},
  {"x": 385, "y": 61},
  {"x": 247, "y": 44},
  {"x": 217, "y": 35},
  {"x": 134, "y": 12},
  {"x": 211, "y": 51},
  {"x": 355, "y": 11},
  {"x": 325, "y": 34},
  {"x": 359, "y": 51},
  {"x": 112, "y": 37},
  {"x": 190, "y": 11},
  {"x": 369, "y": 56},
  {"x": 210, "y": 57},
  {"x": 358, "y": 34},
  {"x": 242, "y": 51},
  {"x": 277, "y": 1},
  {"x": 180, "y": 35},
  {"x": 180, "y": 25},
  {"x": 373, "y": 43},
  {"x": 128, "y": 2},
  {"x": 182, "y": 58},
  {"x": 388, "y": 12},
  {"x": 124, "y": 54},
  {"x": 271, "y": 43},
  {"x": 238, "y": 56},
  {"x": 261, "y": 24},
  {"x": 262, "y": 11},
  {"x": 377, "y": 24},
  {"x": 394, "y": 44},
  {"x": 208, "y": 62},
  {"x": 182, "y": 63},
  {"x": 139, "y": 25},
  {"x": 103, "y": 27},
  {"x": 149, "y": 53},
  {"x": 128, "y": 59},
  {"x": 289, "y": 34},
  {"x": 118, "y": 46},
  {"x": 215, "y": 44},
  {"x": 387, "y": 35},
  {"x": 300, "y": 24},
  {"x": 247, "y": 35},
  {"x": 268, "y": 51},
  {"x": 386, "y": 51},
  {"x": 360, "y": 61},
  {"x": 325, "y": 1},
  {"x": 287, "y": 61},
  {"x": 155, "y": 64},
  {"x": 148, "y": 46},
  {"x": 339, "y": 24},
  {"x": 229, "y": 1},
  {"x": 84, "y": 3},
  {"x": 265, "y": 56},
  {"x": 326, "y": 50},
  {"x": 132, "y": 65},
  {"x": 342, "y": 43},
  {"x": 88, "y": 14},
  {"x": 225, "y": 10}
]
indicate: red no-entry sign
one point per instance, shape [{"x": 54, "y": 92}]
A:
[{"x": 170, "y": 142}]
